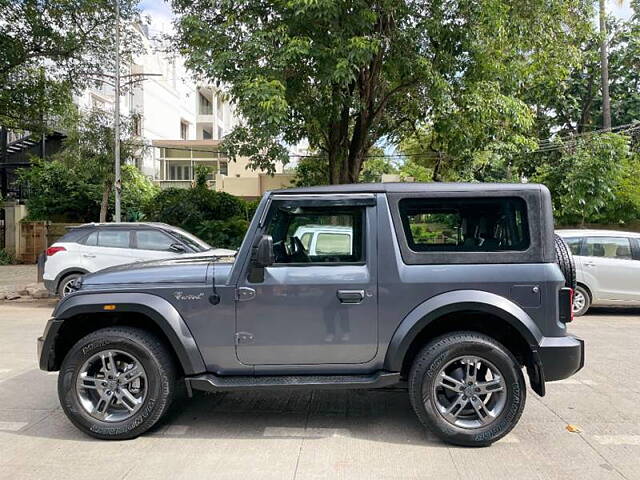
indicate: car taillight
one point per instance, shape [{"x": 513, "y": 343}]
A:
[
  {"x": 53, "y": 250},
  {"x": 565, "y": 304}
]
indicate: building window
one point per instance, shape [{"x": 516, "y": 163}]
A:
[
  {"x": 184, "y": 130},
  {"x": 224, "y": 168},
  {"x": 137, "y": 124},
  {"x": 204, "y": 105},
  {"x": 206, "y": 134}
]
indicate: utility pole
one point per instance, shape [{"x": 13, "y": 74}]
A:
[
  {"x": 604, "y": 69},
  {"x": 116, "y": 129}
]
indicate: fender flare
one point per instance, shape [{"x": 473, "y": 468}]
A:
[
  {"x": 159, "y": 310},
  {"x": 457, "y": 301}
]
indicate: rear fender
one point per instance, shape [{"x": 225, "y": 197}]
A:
[{"x": 458, "y": 301}]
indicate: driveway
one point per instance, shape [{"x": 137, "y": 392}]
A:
[{"x": 339, "y": 434}]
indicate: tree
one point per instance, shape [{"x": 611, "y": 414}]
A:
[
  {"x": 49, "y": 49},
  {"x": 345, "y": 74},
  {"x": 89, "y": 147},
  {"x": 589, "y": 177}
]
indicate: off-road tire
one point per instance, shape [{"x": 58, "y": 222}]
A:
[
  {"x": 160, "y": 371},
  {"x": 567, "y": 265},
  {"x": 439, "y": 352}
]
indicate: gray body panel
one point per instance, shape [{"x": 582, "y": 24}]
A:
[{"x": 289, "y": 320}]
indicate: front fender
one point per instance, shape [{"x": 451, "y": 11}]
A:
[
  {"x": 451, "y": 302},
  {"x": 156, "y": 308}
]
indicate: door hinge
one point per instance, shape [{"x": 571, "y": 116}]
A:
[
  {"x": 244, "y": 338},
  {"x": 245, "y": 293}
]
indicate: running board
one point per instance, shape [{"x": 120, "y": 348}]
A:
[{"x": 214, "y": 383}]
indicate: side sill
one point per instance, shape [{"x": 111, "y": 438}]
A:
[{"x": 213, "y": 383}]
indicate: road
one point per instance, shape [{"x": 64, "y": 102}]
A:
[{"x": 341, "y": 434}]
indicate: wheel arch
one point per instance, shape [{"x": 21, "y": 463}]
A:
[
  {"x": 468, "y": 310},
  {"x": 66, "y": 272},
  {"x": 80, "y": 314},
  {"x": 587, "y": 289}
]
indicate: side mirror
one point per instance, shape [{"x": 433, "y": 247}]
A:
[
  {"x": 263, "y": 252},
  {"x": 177, "y": 248}
]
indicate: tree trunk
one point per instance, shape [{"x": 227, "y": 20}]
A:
[
  {"x": 604, "y": 69},
  {"x": 104, "y": 205}
]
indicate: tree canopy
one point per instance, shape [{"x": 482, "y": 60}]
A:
[{"x": 346, "y": 73}]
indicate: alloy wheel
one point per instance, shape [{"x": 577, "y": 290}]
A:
[
  {"x": 112, "y": 385},
  {"x": 469, "y": 392},
  {"x": 579, "y": 301}
]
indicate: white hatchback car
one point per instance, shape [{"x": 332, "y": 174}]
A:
[
  {"x": 607, "y": 267},
  {"x": 94, "y": 246}
]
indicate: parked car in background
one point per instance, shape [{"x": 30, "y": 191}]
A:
[
  {"x": 607, "y": 267},
  {"x": 94, "y": 246},
  {"x": 325, "y": 239}
]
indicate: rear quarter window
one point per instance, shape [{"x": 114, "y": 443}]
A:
[{"x": 465, "y": 224}]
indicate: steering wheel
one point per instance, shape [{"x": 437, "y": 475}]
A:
[{"x": 298, "y": 252}]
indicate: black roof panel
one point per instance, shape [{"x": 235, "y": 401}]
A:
[{"x": 410, "y": 187}]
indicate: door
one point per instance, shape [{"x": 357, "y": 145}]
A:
[
  {"x": 609, "y": 260},
  {"x": 318, "y": 308},
  {"x": 107, "y": 248}
]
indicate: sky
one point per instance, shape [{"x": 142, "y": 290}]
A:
[{"x": 160, "y": 9}]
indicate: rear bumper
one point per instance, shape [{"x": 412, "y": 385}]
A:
[
  {"x": 46, "y": 344},
  {"x": 50, "y": 285},
  {"x": 561, "y": 357}
]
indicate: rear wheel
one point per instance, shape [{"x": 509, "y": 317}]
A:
[
  {"x": 65, "y": 287},
  {"x": 467, "y": 388},
  {"x": 116, "y": 382},
  {"x": 581, "y": 301}
]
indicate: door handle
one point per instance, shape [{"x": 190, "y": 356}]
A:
[
  {"x": 589, "y": 264},
  {"x": 350, "y": 296},
  {"x": 87, "y": 255}
]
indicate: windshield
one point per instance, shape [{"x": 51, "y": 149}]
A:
[{"x": 191, "y": 240}]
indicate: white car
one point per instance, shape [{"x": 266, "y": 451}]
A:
[
  {"x": 607, "y": 267},
  {"x": 325, "y": 239},
  {"x": 94, "y": 246}
]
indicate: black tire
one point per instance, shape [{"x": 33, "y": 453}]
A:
[
  {"x": 62, "y": 286},
  {"x": 447, "y": 349},
  {"x": 567, "y": 265},
  {"x": 581, "y": 292},
  {"x": 158, "y": 366}
]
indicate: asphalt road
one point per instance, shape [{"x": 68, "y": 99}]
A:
[{"x": 342, "y": 434}]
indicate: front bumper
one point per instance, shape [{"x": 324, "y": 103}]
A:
[
  {"x": 46, "y": 343},
  {"x": 560, "y": 357}
]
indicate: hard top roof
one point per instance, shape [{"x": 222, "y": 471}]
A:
[{"x": 409, "y": 187}]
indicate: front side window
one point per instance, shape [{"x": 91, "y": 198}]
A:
[
  {"x": 574, "y": 244},
  {"x": 608, "y": 247},
  {"x": 465, "y": 224},
  {"x": 317, "y": 234},
  {"x": 153, "y": 240}
]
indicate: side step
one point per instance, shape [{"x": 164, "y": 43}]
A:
[{"x": 214, "y": 383}]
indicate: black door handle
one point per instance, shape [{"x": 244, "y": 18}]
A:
[{"x": 350, "y": 296}]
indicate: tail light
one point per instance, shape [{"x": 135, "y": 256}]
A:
[
  {"x": 565, "y": 304},
  {"x": 53, "y": 250}
]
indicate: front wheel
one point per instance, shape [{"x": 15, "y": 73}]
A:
[
  {"x": 467, "y": 388},
  {"x": 116, "y": 382}
]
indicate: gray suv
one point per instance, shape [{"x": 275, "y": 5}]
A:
[{"x": 447, "y": 290}]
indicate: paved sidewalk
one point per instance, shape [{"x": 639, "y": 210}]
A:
[
  {"x": 328, "y": 434},
  {"x": 18, "y": 275}
]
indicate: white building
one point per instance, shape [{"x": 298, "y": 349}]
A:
[{"x": 183, "y": 122}]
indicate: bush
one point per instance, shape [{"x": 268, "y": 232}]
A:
[
  {"x": 223, "y": 233},
  {"x": 6, "y": 258}
]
